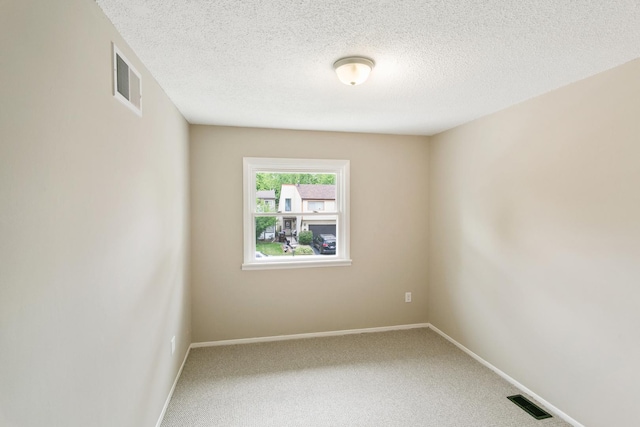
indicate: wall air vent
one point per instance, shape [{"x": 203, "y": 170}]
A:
[
  {"x": 127, "y": 83},
  {"x": 531, "y": 408}
]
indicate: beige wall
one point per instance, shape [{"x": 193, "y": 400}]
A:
[
  {"x": 93, "y": 220},
  {"x": 388, "y": 237},
  {"x": 535, "y": 244}
]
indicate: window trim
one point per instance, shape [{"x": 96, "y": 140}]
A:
[{"x": 253, "y": 165}]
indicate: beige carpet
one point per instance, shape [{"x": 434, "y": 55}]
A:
[{"x": 400, "y": 378}]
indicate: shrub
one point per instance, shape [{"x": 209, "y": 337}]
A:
[
  {"x": 305, "y": 237},
  {"x": 303, "y": 250}
]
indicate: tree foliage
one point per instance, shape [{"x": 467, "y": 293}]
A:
[
  {"x": 264, "y": 222},
  {"x": 305, "y": 237}
]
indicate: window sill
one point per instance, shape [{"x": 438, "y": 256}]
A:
[{"x": 275, "y": 265}]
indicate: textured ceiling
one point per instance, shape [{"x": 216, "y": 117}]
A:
[{"x": 439, "y": 63}]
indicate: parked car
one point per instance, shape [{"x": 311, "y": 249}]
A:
[{"x": 326, "y": 243}]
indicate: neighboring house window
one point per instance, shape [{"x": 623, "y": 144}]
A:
[
  {"x": 287, "y": 236},
  {"x": 315, "y": 206}
]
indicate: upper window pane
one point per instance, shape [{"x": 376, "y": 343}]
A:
[{"x": 297, "y": 192}]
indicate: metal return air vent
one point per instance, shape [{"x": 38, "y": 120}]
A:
[
  {"x": 531, "y": 408},
  {"x": 127, "y": 82}
]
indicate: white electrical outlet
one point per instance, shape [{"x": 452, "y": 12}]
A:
[
  {"x": 173, "y": 344},
  {"x": 407, "y": 297}
]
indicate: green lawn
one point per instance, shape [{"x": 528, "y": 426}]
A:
[
  {"x": 271, "y": 249},
  {"x": 275, "y": 249}
]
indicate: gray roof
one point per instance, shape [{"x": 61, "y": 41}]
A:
[
  {"x": 317, "y": 191},
  {"x": 266, "y": 194}
]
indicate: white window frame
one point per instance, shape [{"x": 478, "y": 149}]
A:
[{"x": 253, "y": 165}]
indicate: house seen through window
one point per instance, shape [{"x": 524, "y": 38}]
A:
[{"x": 296, "y": 213}]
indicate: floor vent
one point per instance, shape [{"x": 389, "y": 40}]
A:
[{"x": 531, "y": 408}]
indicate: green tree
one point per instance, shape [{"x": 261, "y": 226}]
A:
[{"x": 264, "y": 222}]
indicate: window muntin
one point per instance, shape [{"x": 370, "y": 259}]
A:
[{"x": 280, "y": 240}]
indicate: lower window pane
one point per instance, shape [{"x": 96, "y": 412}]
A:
[{"x": 283, "y": 236}]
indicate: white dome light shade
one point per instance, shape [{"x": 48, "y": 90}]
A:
[{"x": 353, "y": 70}]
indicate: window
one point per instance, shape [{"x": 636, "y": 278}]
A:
[
  {"x": 315, "y": 206},
  {"x": 127, "y": 84},
  {"x": 285, "y": 237}
]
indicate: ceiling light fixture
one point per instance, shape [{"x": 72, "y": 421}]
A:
[{"x": 353, "y": 70}]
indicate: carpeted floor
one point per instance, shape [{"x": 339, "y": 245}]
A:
[{"x": 400, "y": 378}]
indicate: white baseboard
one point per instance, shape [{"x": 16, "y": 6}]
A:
[
  {"x": 308, "y": 335},
  {"x": 509, "y": 379},
  {"x": 173, "y": 387}
]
